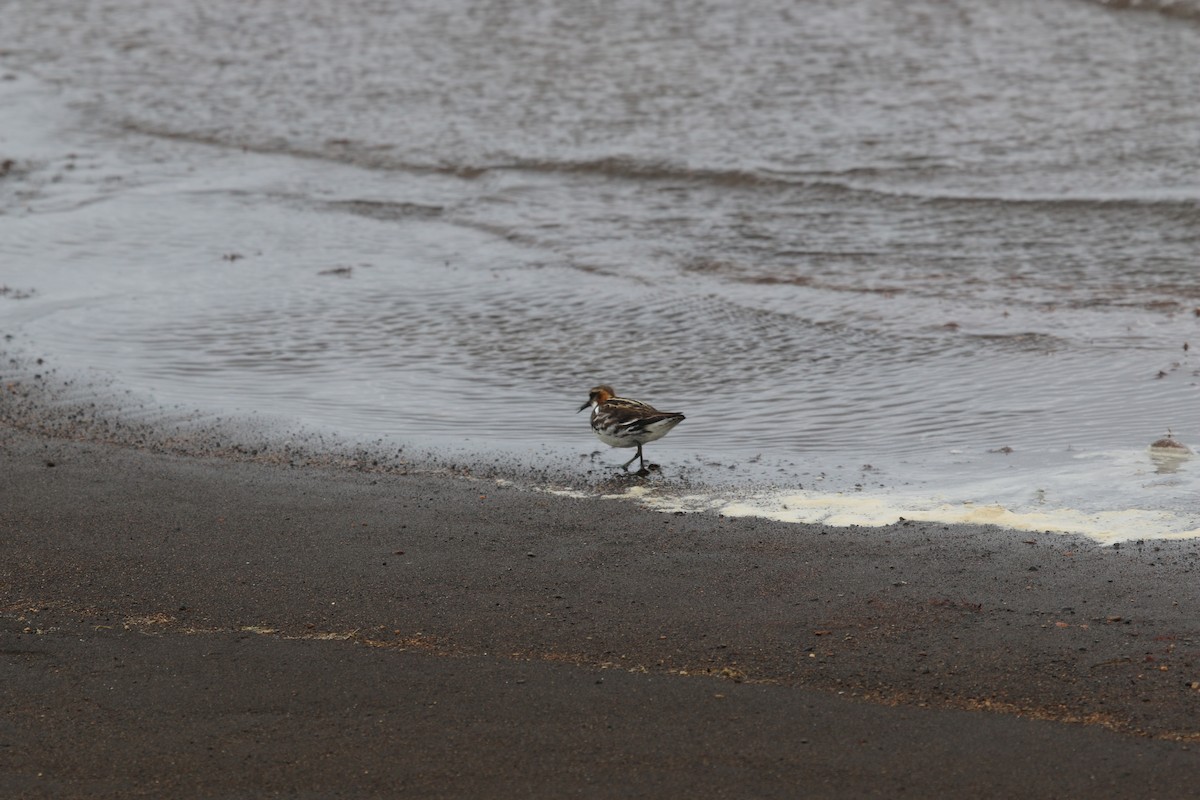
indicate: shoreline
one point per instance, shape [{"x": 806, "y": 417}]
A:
[
  {"x": 42, "y": 400},
  {"x": 473, "y": 623}
]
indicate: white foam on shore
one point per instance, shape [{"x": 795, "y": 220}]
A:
[
  {"x": 1105, "y": 527},
  {"x": 874, "y": 511}
]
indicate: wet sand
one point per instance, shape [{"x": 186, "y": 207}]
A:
[{"x": 198, "y": 628}]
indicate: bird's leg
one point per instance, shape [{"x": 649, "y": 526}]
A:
[
  {"x": 642, "y": 464},
  {"x": 638, "y": 454}
]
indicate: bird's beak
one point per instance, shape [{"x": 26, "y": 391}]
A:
[{"x": 585, "y": 405}]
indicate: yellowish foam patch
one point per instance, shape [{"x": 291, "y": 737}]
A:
[
  {"x": 572, "y": 493},
  {"x": 844, "y": 510},
  {"x": 1106, "y": 527},
  {"x": 632, "y": 493}
]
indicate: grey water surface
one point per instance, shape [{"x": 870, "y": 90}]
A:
[{"x": 947, "y": 245}]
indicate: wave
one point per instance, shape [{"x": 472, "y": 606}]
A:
[
  {"x": 856, "y": 181},
  {"x": 864, "y": 182},
  {"x": 1176, "y": 9}
]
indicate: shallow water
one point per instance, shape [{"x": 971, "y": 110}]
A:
[{"x": 927, "y": 254}]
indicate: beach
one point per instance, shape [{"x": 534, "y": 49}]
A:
[
  {"x": 299, "y": 302},
  {"x": 203, "y": 627}
]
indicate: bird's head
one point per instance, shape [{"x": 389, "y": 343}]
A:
[{"x": 597, "y": 396}]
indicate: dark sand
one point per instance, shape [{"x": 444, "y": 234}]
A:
[{"x": 190, "y": 628}]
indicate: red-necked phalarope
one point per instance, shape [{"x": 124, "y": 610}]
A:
[{"x": 621, "y": 422}]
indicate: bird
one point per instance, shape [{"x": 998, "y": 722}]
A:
[{"x": 621, "y": 422}]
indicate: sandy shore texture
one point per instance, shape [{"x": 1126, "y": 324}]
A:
[{"x": 204, "y": 628}]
